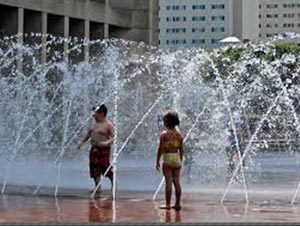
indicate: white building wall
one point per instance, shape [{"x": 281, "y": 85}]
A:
[
  {"x": 246, "y": 19},
  {"x": 194, "y": 22},
  {"x": 250, "y": 20},
  {"x": 278, "y": 16}
]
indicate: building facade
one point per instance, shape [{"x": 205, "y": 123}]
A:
[
  {"x": 135, "y": 20},
  {"x": 278, "y": 16},
  {"x": 193, "y": 23},
  {"x": 205, "y": 22},
  {"x": 170, "y": 23}
]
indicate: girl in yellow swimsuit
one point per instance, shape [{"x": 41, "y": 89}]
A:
[{"x": 171, "y": 148}]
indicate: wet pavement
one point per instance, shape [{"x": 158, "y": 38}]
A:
[
  {"x": 271, "y": 184},
  {"x": 131, "y": 207}
]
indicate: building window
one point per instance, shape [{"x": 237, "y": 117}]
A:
[
  {"x": 176, "y": 7},
  {"x": 272, "y": 6},
  {"x": 198, "y": 30},
  {"x": 198, "y": 18},
  {"x": 176, "y": 42},
  {"x": 288, "y": 15},
  {"x": 197, "y": 7},
  {"x": 218, "y": 6},
  {"x": 175, "y": 30},
  {"x": 291, "y": 5},
  {"x": 272, "y": 15},
  {"x": 179, "y": 41},
  {"x": 214, "y": 41},
  {"x": 217, "y": 29},
  {"x": 176, "y": 19},
  {"x": 198, "y": 41},
  {"x": 288, "y": 25},
  {"x": 219, "y": 18}
]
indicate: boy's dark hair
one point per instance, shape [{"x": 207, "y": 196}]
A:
[
  {"x": 102, "y": 108},
  {"x": 171, "y": 119}
]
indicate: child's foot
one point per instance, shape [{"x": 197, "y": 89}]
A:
[
  {"x": 177, "y": 208},
  {"x": 165, "y": 207}
]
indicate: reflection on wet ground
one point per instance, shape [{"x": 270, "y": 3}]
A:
[{"x": 63, "y": 209}]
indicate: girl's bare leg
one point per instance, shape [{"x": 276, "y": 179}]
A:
[
  {"x": 167, "y": 171},
  {"x": 176, "y": 181}
]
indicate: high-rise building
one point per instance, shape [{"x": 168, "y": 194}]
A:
[
  {"x": 170, "y": 23},
  {"x": 193, "y": 22},
  {"x": 245, "y": 19},
  {"x": 278, "y": 16},
  {"x": 206, "y": 22}
]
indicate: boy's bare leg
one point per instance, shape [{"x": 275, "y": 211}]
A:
[
  {"x": 97, "y": 181},
  {"x": 111, "y": 178}
]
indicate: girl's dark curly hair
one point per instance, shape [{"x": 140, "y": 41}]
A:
[{"x": 171, "y": 119}]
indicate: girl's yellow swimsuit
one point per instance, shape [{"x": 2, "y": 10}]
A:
[{"x": 172, "y": 159}]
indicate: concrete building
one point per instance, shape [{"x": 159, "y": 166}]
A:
[
  {"x": 135, "y": 20},
  {"x": 194, "y": 22},
  {"x": 278, "y": 16},
  {"x": 205, "y": 22},
  {"x": 245, "y": 19},
  {"x": 171, "y": 23},
  {"x": 263, "y": 19}
]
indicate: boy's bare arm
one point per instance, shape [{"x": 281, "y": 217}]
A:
[{"x": 84, "y": 139}]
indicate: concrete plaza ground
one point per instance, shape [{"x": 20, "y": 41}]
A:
[{"x": 203, "y": 207}]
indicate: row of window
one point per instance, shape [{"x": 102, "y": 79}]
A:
[
  {"x": 285, "y": 15},
  {"x": 271, "y": 6},
  {"x": 284, "y": 25},
  {"x": 268, "y": 35},
  {"x": 271, "y": 35},
  {"x": 222, "y": 6},
  {"x": 193, "y": 41},
  {"x": 194, "y": 18},
  {"x": 176, "y": 7},
  {"x": 291, "y": 5},
  {"x": 194, "y": 7},
  {"x": 275, "y": 6},
  {"x": 291, "y": 25},
  {"x": 194, "y": 30}
]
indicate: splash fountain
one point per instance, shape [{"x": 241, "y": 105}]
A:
[{"x": 46, "y": 107}]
